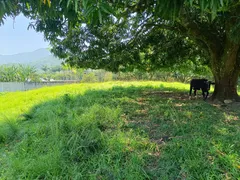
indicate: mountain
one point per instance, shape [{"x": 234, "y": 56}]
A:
[{"x": 36, "y": 58}]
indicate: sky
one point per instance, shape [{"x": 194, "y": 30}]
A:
[{"x": 15, "y": 38}]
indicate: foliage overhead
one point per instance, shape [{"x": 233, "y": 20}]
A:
[
  {"x": 7, "y": 8},
  {"x": 111, "y": 34},
  {"x": 122, "y": 35}
]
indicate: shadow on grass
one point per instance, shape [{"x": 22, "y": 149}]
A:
[{"x": 125, "y": 133}]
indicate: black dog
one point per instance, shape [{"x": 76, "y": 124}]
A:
[{"x": 202, "y": 84}]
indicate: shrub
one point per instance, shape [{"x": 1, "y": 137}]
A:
[
  {"x": 90, "y": 77},
  {"x": 108, "y": 76}
]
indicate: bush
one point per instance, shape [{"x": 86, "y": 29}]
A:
[
  {"x": 108, "y": 76},
  {"x": 90, "y": 77}
]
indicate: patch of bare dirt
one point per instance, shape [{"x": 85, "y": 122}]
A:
[{"x": 168, "y": 94}]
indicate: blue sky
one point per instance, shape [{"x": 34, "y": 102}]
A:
[{"x": 15, "y": 38}]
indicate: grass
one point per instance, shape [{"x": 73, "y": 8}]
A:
[{"x": 117, "y": 130}]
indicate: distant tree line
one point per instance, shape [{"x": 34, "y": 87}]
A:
[{"x": 25, "y": 73}]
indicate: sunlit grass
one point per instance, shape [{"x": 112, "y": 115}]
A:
[
  {"x": 13, "y": 104},
  {"x": 117, "y": 130}
]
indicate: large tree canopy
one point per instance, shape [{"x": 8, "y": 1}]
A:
[{"x": 118, "y": 35}]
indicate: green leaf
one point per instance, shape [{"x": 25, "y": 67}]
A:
[
  {"x": 68, "y": 3},
  {"x": 202, "y": 5},
  {"x": 49, "y": 3},
  {"x": 107, "y": 9},
  {"x": 76, "y": 5},
  {"x": 28, "y": 6},
  {"x": 85, "y": 2},
  {"x": 221, "y": 2},
  {"x": 4, "y": 6},
  {"x": 100, "y": 16},
  {"x": 89, "y": 11},
  {"x": 191, "y": 2}
]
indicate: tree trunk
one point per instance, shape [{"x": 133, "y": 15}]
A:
[
  {"x": 226, "y": 69},
  {"x": 225, "y": 88}
]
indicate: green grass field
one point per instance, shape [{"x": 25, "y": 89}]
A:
[{"x": 117, "y": 130}]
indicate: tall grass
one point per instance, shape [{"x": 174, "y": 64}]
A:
[{"x": 116, "y": 130}]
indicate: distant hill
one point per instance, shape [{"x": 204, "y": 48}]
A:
[{"x": 36, "y": 58}]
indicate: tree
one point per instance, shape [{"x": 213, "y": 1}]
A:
[
  {"x": 26, "y": 73},
  {"x": 114, "y": 34},
  {"x": 17, "y": 73},
  {"x": 8, "y": 73},
  {"x": 45, "y": 68}
]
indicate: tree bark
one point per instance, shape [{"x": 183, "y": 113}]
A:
[
  {"x": 225, "y": 89},
  {"x": 225, "y": 67}
]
